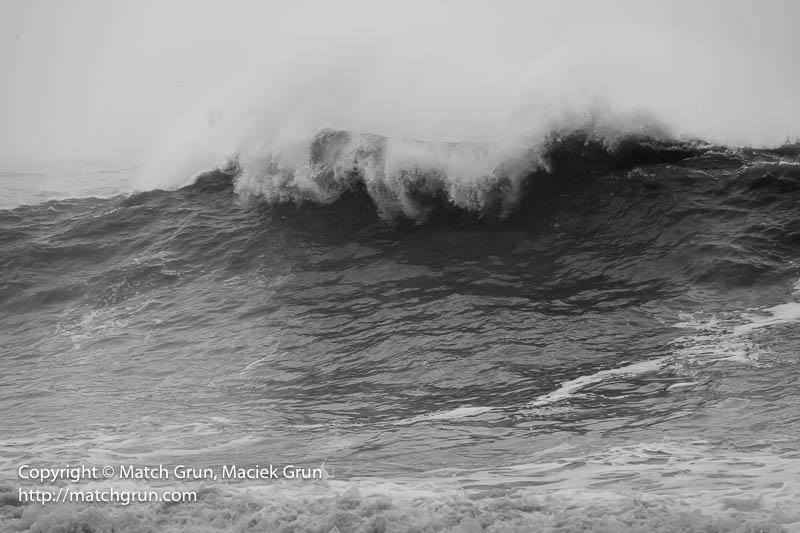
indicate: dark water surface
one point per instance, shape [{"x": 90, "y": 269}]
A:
[{"x": 616, "y": 349}]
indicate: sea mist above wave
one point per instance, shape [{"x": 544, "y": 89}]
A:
[
  {"x": 470, "y": 74},
  {"x": 447, "y": 71}
]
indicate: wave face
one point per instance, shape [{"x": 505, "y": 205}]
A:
[{"x": 592, "y": 332}]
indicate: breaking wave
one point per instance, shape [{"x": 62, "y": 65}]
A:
[{"x": 416, "y": 180}]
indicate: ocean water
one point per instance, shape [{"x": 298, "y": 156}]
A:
[{"x": 595, "y": 332}]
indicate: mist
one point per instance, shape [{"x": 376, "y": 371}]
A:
[{"x": 124, "y": 83}]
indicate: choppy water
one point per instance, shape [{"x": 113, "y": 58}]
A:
[{"x": 591, "y": 337}]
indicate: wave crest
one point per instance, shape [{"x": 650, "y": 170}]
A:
[{"x": 409, "y": 179}]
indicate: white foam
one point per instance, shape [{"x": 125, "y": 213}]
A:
[
  {"x": 569, "y": 388},
  {"x": 779, "y": 314},
  {"x": 452, "y": 414},
  {"x": 639, "y": 487},
  {"x": 726, "y": 338}
]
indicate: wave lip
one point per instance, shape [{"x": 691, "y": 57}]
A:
[{"x": 411, "y": 179}]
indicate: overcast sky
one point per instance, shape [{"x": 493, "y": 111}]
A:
[{"x": 119, "y": 80}]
